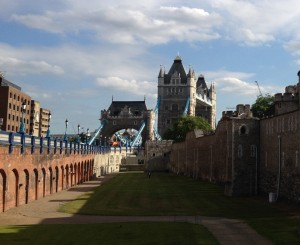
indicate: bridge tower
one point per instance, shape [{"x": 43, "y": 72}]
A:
[
  {"x": 126, "y": 120},
  {"x": 177, "y": 90}
]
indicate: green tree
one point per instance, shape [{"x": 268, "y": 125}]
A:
[
  {"x": 262, "y": 106},
  {"x": 184, "y": 125}
]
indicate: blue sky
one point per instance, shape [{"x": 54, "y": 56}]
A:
[{"x": 73, "y": 56}]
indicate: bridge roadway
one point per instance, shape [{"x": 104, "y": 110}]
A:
[{"x": 44, "y": 211}]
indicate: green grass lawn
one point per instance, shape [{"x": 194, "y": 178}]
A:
[
  {"x": 117, "y": 233},
  {"x": 162, "y": 194},
  {"x": 167, "y": 194}
]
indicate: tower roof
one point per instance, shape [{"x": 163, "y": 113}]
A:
[
  {"x": 201, "y": 82},
  {"x": 136, "y": 107},
  {"x": 176, "y": 67}
]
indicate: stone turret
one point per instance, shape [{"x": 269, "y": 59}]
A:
[{"x": 191, "y": 82}]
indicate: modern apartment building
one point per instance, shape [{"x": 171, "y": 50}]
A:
[{"x": 11, "y": 101}]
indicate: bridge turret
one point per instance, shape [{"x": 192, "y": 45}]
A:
[
  {"x": 191, "y": 83},
  {"x": 213, "y": 98}
]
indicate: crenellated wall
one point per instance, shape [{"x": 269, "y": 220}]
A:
[{"x": 229, "y": 156}]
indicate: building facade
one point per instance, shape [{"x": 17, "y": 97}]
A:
[
  {"x": 182, "y": 93},
  {"x": 44, "y": 122},
  {"x": 35, "y": 118},
  {"x": 11, "y": 100}
]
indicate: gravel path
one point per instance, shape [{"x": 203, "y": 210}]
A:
[{"x": 44, "y": 211}]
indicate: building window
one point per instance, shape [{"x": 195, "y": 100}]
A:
[
  {"x": 114, "y": 123},
  {"x": 168, "y": 121},
  {"x": 174, "y": 107},
  {"x": 10, "y": 95},
  {"x": 135, "y": 122},
  {"x": 166, "y": 108},
  {"x": 9, "y": 105},
  {"x": 244, "y": 130},
  {"x": 14, "y": 96}
]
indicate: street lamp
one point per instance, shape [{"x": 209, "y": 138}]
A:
[
  {"x": 78, "y": 139},
  {"x": 48, "y": 130},
  {"x": 65, "y": 137},
  {"x": 22, "y": 127}
]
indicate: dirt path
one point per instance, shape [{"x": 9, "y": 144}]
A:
[{"x": 44, "y": 211}]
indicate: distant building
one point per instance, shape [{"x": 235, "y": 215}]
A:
[
  {"x": 36, "y": 119},
  {"x": 44, "y": 121},
  {"x": 182, "y": 93},
  {"x": 11, "y": 99}
]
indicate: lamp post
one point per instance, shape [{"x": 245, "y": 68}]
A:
[
  {"x": 48, "y": 130},
  {"x": 22, "y": 127},
  {"x": 78, "y": 139},
  {"x": 65, "y": 137}
]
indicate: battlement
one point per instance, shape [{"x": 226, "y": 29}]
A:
[
  {"x": 286, "y": 97},
  {"x": 242, "y": 111}
]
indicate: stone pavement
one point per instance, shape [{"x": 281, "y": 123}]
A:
[{"x": 44, "y": 211}]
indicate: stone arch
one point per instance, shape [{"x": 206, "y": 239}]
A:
[
  {"x": 16, "y": 192},
  {"x": 75, "y": 174},
  {"x": 78, "y": 173},
  {"x": 93, "y": 170},
  {"x": 56, "y": 178},
  {"x": 71, "y": 175},
  {"x": 67, "y": 176},
  {"x": 44, "y": 181},
  {"x": 3, "y": 189},
  {"x": 36, "y": 183},
  {"x": 51, "y": 180},
  {"x": 26, "y": 185},
  {"x": 85, "y": 171},
  {"x": 62, "y": 177},
  {"x": 243, "y": 130},
  {"x": 81, "y": 172}
]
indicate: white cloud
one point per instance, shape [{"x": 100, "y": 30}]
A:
[
  {"x": 121, "y": 25},
  {"x": 230, "y": 82},
  {"x": 25, "y": 67},
  {"x": 128, "y": 86},
  {"x": 293, "y": 46}
]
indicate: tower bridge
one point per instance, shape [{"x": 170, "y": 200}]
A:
[
  {"x": 131, "y": 123},
  {"x": 126, "y": 123}
]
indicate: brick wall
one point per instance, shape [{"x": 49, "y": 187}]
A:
[
  {"x": 26, "y": 177},
  {"x": 279, "y": 155},
  {"x": 226, "y": 157}
]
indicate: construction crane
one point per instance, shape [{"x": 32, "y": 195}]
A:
[{"x": 258, "y": 88}]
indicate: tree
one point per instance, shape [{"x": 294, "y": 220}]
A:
[
  {"x": 263, "y": 106},
  {"x": 184, "y": 125}
]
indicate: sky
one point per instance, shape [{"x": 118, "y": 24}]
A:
[{"x": 75, "y": 56}]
